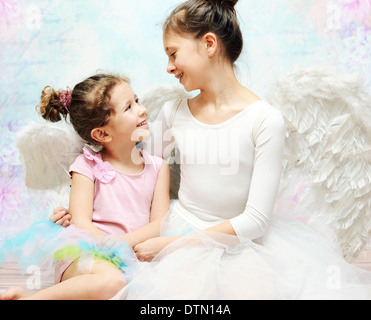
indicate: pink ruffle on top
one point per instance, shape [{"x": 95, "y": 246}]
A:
[{"x": 103, "y": 170}]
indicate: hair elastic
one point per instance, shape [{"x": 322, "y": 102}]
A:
[{"x": 66, "y": 96}]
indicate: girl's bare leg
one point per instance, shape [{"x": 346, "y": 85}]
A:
[{"x": 102, "y": 283}]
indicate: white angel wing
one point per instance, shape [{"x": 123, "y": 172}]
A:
[
  {"x": 153, "y": 100},
  {"x": 47, "y": 150},
  {"x": 328, "y": 118}
]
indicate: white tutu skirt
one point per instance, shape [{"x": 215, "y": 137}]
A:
[{"x": 292, "y": 262}]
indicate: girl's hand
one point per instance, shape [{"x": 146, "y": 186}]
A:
[
  {"x": 148, "y": 249},
  {"x": 61, "y": 217}
]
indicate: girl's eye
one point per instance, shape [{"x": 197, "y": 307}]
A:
[
  {"x": 129, "y": 106},
  {"x": 173, "y": 54}
]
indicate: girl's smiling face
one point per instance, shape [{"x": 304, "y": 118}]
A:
[
  {"x": 128, "y": 121},
  {"x": 188, "y": 59}
]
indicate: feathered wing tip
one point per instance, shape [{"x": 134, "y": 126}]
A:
[
  {"x": 154, "y": 99},
  {"x": 47, "y": 150},
  {"x": 328, "y": 137}
]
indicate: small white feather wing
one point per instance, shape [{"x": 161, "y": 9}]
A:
[
  {"x": 47, "y": 150},
  {"x": 154, "y": 99}
]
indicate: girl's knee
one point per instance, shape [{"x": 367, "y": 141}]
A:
[
  {"x": 110, "y": 285},
  {"x": 111, "y": 280}
]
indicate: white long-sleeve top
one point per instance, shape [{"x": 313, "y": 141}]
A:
[{"x": 229, "y": 171}]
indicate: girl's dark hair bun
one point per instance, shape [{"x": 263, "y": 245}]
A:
[
  {"x": 229, "y": 4},
  {"x": 51, "y": 107}
]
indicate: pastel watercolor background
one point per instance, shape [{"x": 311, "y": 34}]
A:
[{"x": 60, "y": 42}]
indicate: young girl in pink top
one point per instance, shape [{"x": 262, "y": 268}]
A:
[{"x": 119, "y": 190}]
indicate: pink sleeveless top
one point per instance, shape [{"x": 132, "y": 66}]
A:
[{"x": 122, "y": 201}]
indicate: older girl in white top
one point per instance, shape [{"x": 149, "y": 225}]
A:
[{"x": 231, "y": 150}]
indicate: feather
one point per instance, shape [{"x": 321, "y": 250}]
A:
[
  {"x": 328, "y": 116},
  {"x": 154, "y": 98},
  {"x": 47, "y": 150}
]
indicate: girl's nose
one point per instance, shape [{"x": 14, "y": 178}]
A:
[
  {"x": 170, "y": 68},
  {"x": 142, "y": 110}
]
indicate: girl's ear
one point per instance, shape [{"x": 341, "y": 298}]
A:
[
  {"x": 211, "y": 43},
  {"x": 100, "y": 135}
]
